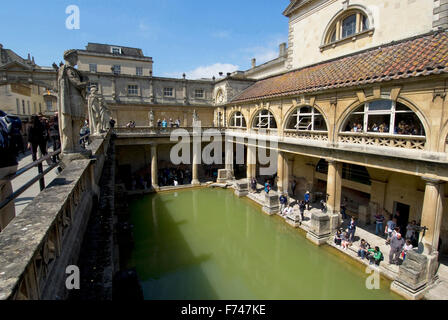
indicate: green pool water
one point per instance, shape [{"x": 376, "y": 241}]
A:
[{"x": 209, "y": 244}]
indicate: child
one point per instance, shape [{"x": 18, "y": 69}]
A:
[{"x": 408, "y": 246}]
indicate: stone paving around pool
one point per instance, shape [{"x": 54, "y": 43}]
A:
[{"x": 438, "y": 291}]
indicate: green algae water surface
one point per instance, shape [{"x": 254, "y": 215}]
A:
[{"x": 209, "y": 244}]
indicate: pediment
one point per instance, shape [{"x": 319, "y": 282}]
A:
[
  {"x": 15, "y": 66},
  {"x": 294, "y": 5}
]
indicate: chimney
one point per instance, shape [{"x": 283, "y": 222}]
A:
[
  {"x": 282, "y": 50},
  {"x": 254, "y": 62},
  {"x": 29, "y": 57}
]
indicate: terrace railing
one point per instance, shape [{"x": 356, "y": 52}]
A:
[{"x": 383, "y": 140}]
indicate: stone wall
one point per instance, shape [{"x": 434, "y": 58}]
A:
[
  {"x": 37, "y": 246},
  {"x": 440, "y": 14}
]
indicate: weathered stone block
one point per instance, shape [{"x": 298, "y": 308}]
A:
[
  {"x": 224, "y": 175},
  {"x": 241, "y": 188},
  {"x": 320, "y": 228},
  {"x": 363, "y": 215},
  {"x": 271, "y": 203},
  {"x": 416, "y": 272}
]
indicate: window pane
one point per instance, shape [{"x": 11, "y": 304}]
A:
[
  {"x": 349, "y": 26},
  {"x": 402, "y": 107},
  {"x": 365, "y": 23},
  {"x": 292, "y": 122},
  {"x": 380, "y": 105},
  {"x": 379, "y": 123},
  {"x": 305, "y": 110},
  {"x": 408, "y": 123},
  {"x": 305, "y": 123},
  {"x": 355, "y": 123},
  {"x": 319, "y": 123}
]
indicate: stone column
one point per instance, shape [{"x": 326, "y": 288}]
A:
[
  {"x": 420, "y": 267},
  {"x": 431, "y": 215},
  {"x": 196, "y": 162},
  {"x": 154, "y": 167},
  {"x": 251, "y": 162},
  {"x": 229, "y": 158},
  {"x": 334, "y": 190},
  {"x": 280, "y": 173}
]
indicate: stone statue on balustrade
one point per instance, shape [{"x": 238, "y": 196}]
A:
[
  {"x": 72, "y": 85},
  {"x": 151, "y": 119},
  {"x": 195, "y": 117},
  {"x": 94, "y": 107},
  {"x": 105, "y": 115}
]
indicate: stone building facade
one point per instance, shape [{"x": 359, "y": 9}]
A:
[
  {"x": 25, "y": 87},
  {"x": 125, "y": 78}
]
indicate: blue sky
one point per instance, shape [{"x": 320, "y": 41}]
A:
[{"x": 198, "y": 37}]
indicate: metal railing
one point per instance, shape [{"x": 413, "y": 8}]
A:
[{"x": 40, "y": 177}]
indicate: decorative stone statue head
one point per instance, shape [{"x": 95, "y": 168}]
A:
[{"x": 71, "y": 57}]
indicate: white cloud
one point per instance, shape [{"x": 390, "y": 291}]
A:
[{"x": 206, "y": 71}]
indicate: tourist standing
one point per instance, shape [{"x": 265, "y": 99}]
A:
[
  {"x": 302, "y": 209},
  {"x": 379, "y": 221},
  {"x": 54, "y": 136},
  {"x": 396, "y": 246},
  {"x": 352, "y": 229},
  {"x": 253, "y": 184},
  {"x": 390, "y": 226},
  {"x": 283, "y": 202},
  {"x": 267, "y": 187},
  {"x": 36, "y": 137},
  {"x": 410, "y": 230},
  {"x": 307, "y": 200}
]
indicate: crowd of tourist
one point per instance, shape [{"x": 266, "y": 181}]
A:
[
  {"x": 168, "y": 124},
  {"x": 403, "y": 127}
]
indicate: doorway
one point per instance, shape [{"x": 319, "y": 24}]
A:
[{"x": 403, "y": 217}]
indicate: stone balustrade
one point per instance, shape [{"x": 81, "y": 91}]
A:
[
  {"x": 383, "y": 140},
  {"x": 307, "y": 135},
  {"x": 39, "y": 244}
]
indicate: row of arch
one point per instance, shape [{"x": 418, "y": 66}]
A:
[{"x": 380, "y": 116}]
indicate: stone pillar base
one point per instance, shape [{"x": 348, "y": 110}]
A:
[
  {"x": 317, "y": 239},
  {"x": 195, "y": 182},
  {"x": 271, "y": 204},
  {"x": 224, "y": 175},
  {"x": 294, "y": 220},
  {"x": 415, "y": 275},
  {"x": 319, "y": 232},
  {"x": 241, "y": 188}
]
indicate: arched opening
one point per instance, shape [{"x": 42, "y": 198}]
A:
[
  {"x": 237, "y": 120},
  {"x": 306, "y": 118},
  {"x": 264, "y": 119},
  {"x": 347, "y": 24},
  {"x": 384, "y": 117}
]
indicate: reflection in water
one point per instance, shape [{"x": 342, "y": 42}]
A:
[{"x": 208, "y": 244}]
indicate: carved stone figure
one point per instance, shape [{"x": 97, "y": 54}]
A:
[
  {"x": 72, "y": 86},
  {"x": 151, "y": 119},
  {"x": 195, "y": 116},
  {"x": 105, "y": 115},
  {"x": 94, "y": 107}
]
